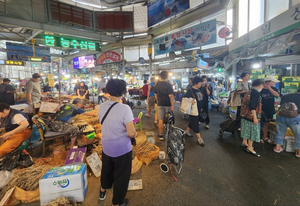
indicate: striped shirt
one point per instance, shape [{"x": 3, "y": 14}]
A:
[{"x": 115, "y": 140}]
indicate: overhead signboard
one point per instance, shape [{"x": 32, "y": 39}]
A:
[
  {"x": 108, "y": 57},
  {"x": 72, "y": 43},
  {"x": 24, "y": 52},
  {"x": 279, "y": 25},
  {"x": 12, "y": 62},
  {"x": 196, "y": 36},
  {"x": 159, "y": 10}
]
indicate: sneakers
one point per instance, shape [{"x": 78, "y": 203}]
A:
[
  {"x": 187, "y": 134},
  {"x": 102, "y": 195},
  {"x": 161, "y": 137},
  {"x": 200, "y": 141}
]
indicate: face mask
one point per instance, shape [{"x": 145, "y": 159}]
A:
[{"x": 259, "y": 90}]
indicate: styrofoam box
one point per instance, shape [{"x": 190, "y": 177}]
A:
[
  {"x": 67, "y": 181},
  {"x": 288, "y": 144}
]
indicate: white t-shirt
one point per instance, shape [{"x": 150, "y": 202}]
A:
[
  {"x": 18, "y": 118},
  {"x": 101, "y": 85}
]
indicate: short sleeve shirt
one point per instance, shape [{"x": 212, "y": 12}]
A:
[
  {"x": 163, "y": 89},
  {"x": 268, "y": 102},
  {"x": 18, "y": 118},
  {"x": 35, "y": 89},
  {"x": 115, "y": 140}
]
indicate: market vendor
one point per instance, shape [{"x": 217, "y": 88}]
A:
[
  {"x": 16, "y": 126},
  {"x": 7, "y": 92},
  {"x": 61, "y": 121}
]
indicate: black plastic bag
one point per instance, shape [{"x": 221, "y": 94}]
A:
[{"x": 14, "y": 159}]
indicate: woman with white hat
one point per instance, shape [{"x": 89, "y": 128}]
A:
[{"x": 268, "y": 94}]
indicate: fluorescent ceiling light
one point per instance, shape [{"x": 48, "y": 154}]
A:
[
  {"x": 89, "y": 4},
  {"x": 182, "y": 60},
  {"x": 104, "y": 43},
  {"x": 75, "y": 52},
  {"x": 142, "y": 34},
  {"x": 256, "y": 66}
]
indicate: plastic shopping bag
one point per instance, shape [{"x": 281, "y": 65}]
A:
[
  {"x": 186, "y": 105},
  {"x": 5, "y": 177}
]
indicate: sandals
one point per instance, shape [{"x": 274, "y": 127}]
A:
[
  {"x": 280, "y": 150},
  {"x": 253, "y": 153},
  {"x": 206, "y": 127},
  {"x": 297, "y": 155},
  {"x": 267, "y": 140}
]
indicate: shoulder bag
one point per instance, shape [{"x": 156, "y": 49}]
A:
[{"x": 288, "y": 110}]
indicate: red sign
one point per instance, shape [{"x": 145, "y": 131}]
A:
[
  {"x": 23, "y": 82},
  {"x": 108, "y": 57}
]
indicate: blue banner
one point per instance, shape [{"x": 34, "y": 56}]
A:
[
  {"x": 23, "y": 52},
  {"x": 196, "y": 36},
  {"x": 159, "y": 10}
]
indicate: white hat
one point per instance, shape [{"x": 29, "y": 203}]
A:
[{"x": 272, "y": 79}]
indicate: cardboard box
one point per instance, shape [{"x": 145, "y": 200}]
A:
[
  {"x": 95, "y": 164},
  {"x": 76, "y": 156},
  {"x": 67, "y": 181},
  {"x": 288, "y": 144}
]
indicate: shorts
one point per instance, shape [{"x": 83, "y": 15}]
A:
[
  {"x": 151, "y": 102},
  {"x": 161, "y": 111},
  {"x": 59, "y": 126}
]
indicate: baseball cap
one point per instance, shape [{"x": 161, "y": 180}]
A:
[
  {"x": 36, "y": 75},
  {"x": 272, "y": 79},
  {"x": 6, "y": 80}
]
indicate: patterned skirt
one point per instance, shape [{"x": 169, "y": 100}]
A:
[{"x": 250, "y": 130}]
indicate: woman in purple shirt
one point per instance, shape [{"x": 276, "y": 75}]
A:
[{"x": 117, "y": 133}]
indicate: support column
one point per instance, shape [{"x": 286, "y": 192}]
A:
[
  {"x": 123, "y": 63},
  {"x": 233, "y": 76}
]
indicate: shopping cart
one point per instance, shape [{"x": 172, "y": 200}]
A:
[{"x": 175, "y": 145}]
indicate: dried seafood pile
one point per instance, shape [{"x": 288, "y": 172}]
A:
[
  {"x": 62, "y": 201},
  {"x": 88, "y": 104},
  {"x": 88, "y": 119},
  {"x": 26, "y": 179},
  {"x": 97, "y": 148},
  {"x": 144, "y": 149}
]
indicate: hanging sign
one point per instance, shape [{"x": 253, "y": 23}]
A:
[
  {"x": 72, "y": 43},
  {"x": 51, "y": 80},
  {"x": 24, "y": 52},
  {"x": 279, "y": 25},
  {"x": 108, "y": 57},
  {"x": 12, "y": 62},
  {"x": 195, "y": 36},
  {"x": 159, "y": 10}
]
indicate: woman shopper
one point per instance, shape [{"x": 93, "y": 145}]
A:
[
  {"x": 268, "y": 94},
  {"x": 250, "y": 127},
  {"x": 83, "y": 91},
  {"x": 293, "y": 123},
  {"x": 194, "y": 92},
  {"x": 206, "y": 91},
  {"x": 117, "y": 134}
]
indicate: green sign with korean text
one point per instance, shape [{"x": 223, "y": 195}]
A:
[{"x": 72, "y": 43}]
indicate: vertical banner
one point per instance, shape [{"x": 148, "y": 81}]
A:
[
  {"x": 195, "y": 36},
  {"x": 51, "y": 80}
]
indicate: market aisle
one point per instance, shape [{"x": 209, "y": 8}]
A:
[{"x": 221, "y": 173}]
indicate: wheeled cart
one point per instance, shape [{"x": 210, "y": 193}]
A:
[{"x": 175, "y": 144}]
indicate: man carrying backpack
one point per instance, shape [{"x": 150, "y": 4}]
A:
[{"x": 288, "y": 116}]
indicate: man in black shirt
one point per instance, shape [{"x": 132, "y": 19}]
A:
[
  {"x": 164, "y": 96},
  {"x": 268, "y": 94},
  {"x": 7, "y": 92},
  {"x": 206, "y": 92}
]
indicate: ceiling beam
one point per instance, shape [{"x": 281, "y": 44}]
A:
[
  {"x": 56, "y": 29},
  {"x": 13, "y": 36},
  {"x": 34, "y": 34}
]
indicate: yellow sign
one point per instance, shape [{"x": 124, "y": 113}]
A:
[
  {"x": 16, "y": 63},
  {"x": 195, "y": 69},
  {"x": 51, "y": 80}
]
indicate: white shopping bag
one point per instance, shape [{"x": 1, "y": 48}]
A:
[
  {"x": 187, "y": 107},
  {"x": 233, "y": 112}
]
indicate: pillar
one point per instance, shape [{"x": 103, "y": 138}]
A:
[{"x": 233, "y": 76}]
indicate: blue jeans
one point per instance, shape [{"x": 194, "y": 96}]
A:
[{"x": 281, "y": 126}]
